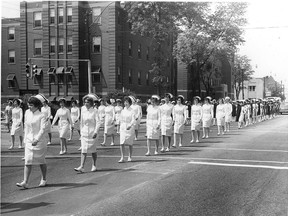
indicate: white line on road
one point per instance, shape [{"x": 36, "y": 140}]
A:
[{"x": 238, "y": 165}]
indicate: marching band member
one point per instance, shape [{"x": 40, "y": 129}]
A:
[
  {"x": 166, "y": 121},
  {"x": 196, "y": 116},
  {"x": 89, "y": 126},
  {"x": 153, "y": 123},
  {"x": 127, "y": 121},
  {"x": 207, "y": 117},
  {"x": 220, "y": 116},
  {"x": 17, "y": 124},
  {"x": 228, "y": 114},
  {"x": 64, "y": 124},
  {"x": 180, "y": 115}
]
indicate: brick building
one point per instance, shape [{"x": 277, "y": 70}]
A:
[{"x": 54, "y": 35}]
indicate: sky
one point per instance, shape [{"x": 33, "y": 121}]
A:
[{"x": 266, "y": 36}]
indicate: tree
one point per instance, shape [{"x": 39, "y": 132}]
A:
[
  {"x": 218, "y": 34},
  {"x": 242, "y": 71}
]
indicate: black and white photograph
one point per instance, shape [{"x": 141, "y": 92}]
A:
[{"x": 144, "y": 108}]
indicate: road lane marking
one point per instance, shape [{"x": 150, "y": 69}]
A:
[
  {"x": 238, "y": 165},
  {"x": 236, "y": 149}
]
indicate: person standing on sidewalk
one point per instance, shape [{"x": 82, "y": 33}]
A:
[
  {"x": 196, "y": 117},
  {"x": 89, "y": 126},
  {"x": 35, "y": 140},
  {"x": 17, "y": 123},
  {"x": 75, "y": 117},
  {"x": 207, "y": 117},
  {"x": 64, "y": 124},
  {"x": 180, "y": 115},
  {"x": 153, "y": 123},
  {"x": 127, "y": 121},
  {"x": 46, "y": 110},
  {"x": 166, "y": 121}
]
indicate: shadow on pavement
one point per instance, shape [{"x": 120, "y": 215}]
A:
[{"x": 16, "y": 207}]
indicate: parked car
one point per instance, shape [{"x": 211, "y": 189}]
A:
[{"x": 283, "y": 108}]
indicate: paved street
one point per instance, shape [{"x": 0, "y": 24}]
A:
[{"x": 244, "y": 172}]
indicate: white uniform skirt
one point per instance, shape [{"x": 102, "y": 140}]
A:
[
  {"x": 195, "y": 125},
  {"x": 221, "y": 121},
  {"x": 48, "y": 126},
  {"x": 88, "y": 145},
  {"x": 152, "y": 132},
  {"x": 64, "y": 128},
  {"x": 76, "y": 125},
  {"x": 166, "y": 126},
  {"x": 16, "y": 129},
  {"x": 35, "y": 155},
  {"x": 228, "y": 118},
  {"x": 207, "y": 121},
  {"x": 126, "y": 136}
]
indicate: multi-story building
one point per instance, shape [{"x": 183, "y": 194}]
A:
[
  {"x": 59, "y": 36},
  {"x": 253, "y": 88}
]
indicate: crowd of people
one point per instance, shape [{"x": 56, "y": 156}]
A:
[{"x": 166, "y": 119}]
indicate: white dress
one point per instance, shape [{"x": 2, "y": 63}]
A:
[
  {"x": 8, "y": 114},
  {"x": 75, "y": 117},
  {"x": 207, "y": 116},
  {"x": 180, "y": 114},
  {"x": 166, "y": 119},
  {"x": 228, "y": 112},
  {"x": 138, "y": 113},
  {"x": 118, "y": 110},
  {"x": 109, "y": 126},
  {"x": 89, "y": 125},
  {"x": 242, "y": 113},
  {"x": 196, "y": 116},
  {"x": 64, "y": 121},
  {"x": 17, "y": 124},
  {"x": 127, "y": 119},
  {"x": 101, "y": 112},
  {"x": 35, "y": 124},
  {"x": 47, "y": 114},
  {"x": 220, "y": 114},
  {"x": 153, "y": 122}
]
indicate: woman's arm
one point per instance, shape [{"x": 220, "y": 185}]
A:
[{"x": 55, "y": 118}]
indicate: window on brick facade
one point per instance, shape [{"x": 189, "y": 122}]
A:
[
  {"x": 139, "y": 51},
  {"x": 11, "y": 33},
  {"x": 69, "y": 44},
  {"x": 52, "y": 16},
  {"x": 130, "y": 76},
  {"x": 37, "y": 47},
  {"x": 37, "y": 19},
  {"x": 11, "y": 56},
  {"x": 147, "y": 53},
  {"x": 97, "y": 15},
  {"x": 52, "y": 79},
  {"x": 96, "y": 74},
  {"x": 96, "y": 46},
  {"x": 147, "y": 79},
  {"x": 60, "y": 45},
  {"x": 11, "y": 80},
  {"x": 252, "y": 88},
  {"x": 60, "y": 15},
  {"x": 60, "y": 78},
  {"x": 119, "y": 74},
  {"x": 69, "y": 15},
  {"x": 130, "y": 48},
  {"x": 37, "y": 78},
  {"x": 52, "y": 44},
  {"x": 139, "y": 77}
]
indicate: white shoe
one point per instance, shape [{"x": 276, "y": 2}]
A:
[
  {"x": 156, "y": 153},
  {"x": 174, "y": 145},
  {"x": 223, "y": 133},
  {"x": 79, "y": 169},
  {"x": 203, "y": 137},
  {"x": 147, "y": 154},
  {"x": 43, "y": 183},
  {"x": 11, "y": 147},
  {"x": 49, "y": 143},
  {"x": 218, "y": 134},
  {"x": 180, "y": 145},
  {"x": 136, "y": 138},
  {"x": 69, "y": 139},
  {"x": 207, "y": 137},
  {"x": 129, "y": 159},
  {"x": 121, "y": 160},
  {"x": 23, "y": 158},
  {"x": 162, "y": 150},
  {"x": 102, "y": 144},
  {"x": 167, "y": 149},
  {"x": 94, "y": 168},
  {"x": 197, "y": 141},
  {"x": 192, "y": 141},
  {"x": 61, "y": 152},
  {"x": 112, "y": 144},
  {"x": 22, "y": 184}
]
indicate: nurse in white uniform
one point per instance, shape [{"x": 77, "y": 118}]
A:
[
  {"x": 138, "y": 113},
  {"x": 220, "y": 116},
  {"x": 46, "y": 110},
  {"x": 196, "y": 117},
  {"x": 118, "y": 109},
  {"x": 127, "y": 130},
  {"x": 35, "y": 140},
  {"x": 89, "y": 125},
  {"x": 153, "y": 123},
  {"x": 75, "y": 117},
  {"x": 228, "y": 114},
  {"x": 166, "y": 121},
  {"x": 17, "y": 124},
  {"x": 64, "y": 124},
  {"x": 207, "y": 117}
]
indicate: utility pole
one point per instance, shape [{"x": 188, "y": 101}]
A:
[{"x": 242, "y": 70}]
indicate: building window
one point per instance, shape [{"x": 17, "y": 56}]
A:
[
  {"x": 139, "y": 51},
  {"x": 96, "y": 74},
  {"x": 11, "y": 81},
  {"x": 130, "y": 76},
  {"x": 11, "y": 56},
  {"x": 97, "y": 15},
  {"x": 147, "y": 53},
  {"x": 69, "y": 45},
  {"x": 60, "y": 45},
  {"x": 139, "y": 78},
  {"x": 52, "y": 16},
  {"x": 147, "y": 79},
  {"x": 11, "y": 33},
  {"x": 130, "y": 48},
  {"x": 60, "y": 78},
  {"x": 52, "y": 79},
  {"x": 69, "y": 15},
  {"x": 60, "y": 15},
  {"x": 96, "y": 46},
  {"x": 252, "y": 88},
  {"x": 119, "y": 75},
  {"x": 37, "y": 19},
  {"x": 37, "y": 47},
  {"x": 37, "y": 78},
  {"x": 52, "y": 44}
]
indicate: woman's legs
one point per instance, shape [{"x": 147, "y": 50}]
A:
[
  {"x": 169, "y": 142},
  {"x": 219, "y": 129},
  {"x": 204, "y": 133},
  {"x": 104, "y": 140},
  {"x": 156, "y": 146},
  {"x": 148, "y": 147},
  {"x": 94, "y": 158},
  {"x": 112, "y": 139},
  {"x": 197, "y": 133},
  {"x": 13, "y": 141},
  {"x": 27, "y": 172},
  {"x": 175, "y": 139},
  {"x": 63, "y": 144},
  {"x": 50, "y": 137},
  {"x": 122, "y": 151},
  {"x": 83, "y": 159},
  {"x": 163, "y": 143},
  {"x": 21, "y": 142},
  {"x": 130, "y": 152},
  {"x": 43, "y": 168},
  {"x": 180, "y": 139},
  {"x": 71, "y": 134},
  {"x": 192, "y": 135}
]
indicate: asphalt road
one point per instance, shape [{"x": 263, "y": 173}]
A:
[{"x": 244, "y": 172}]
